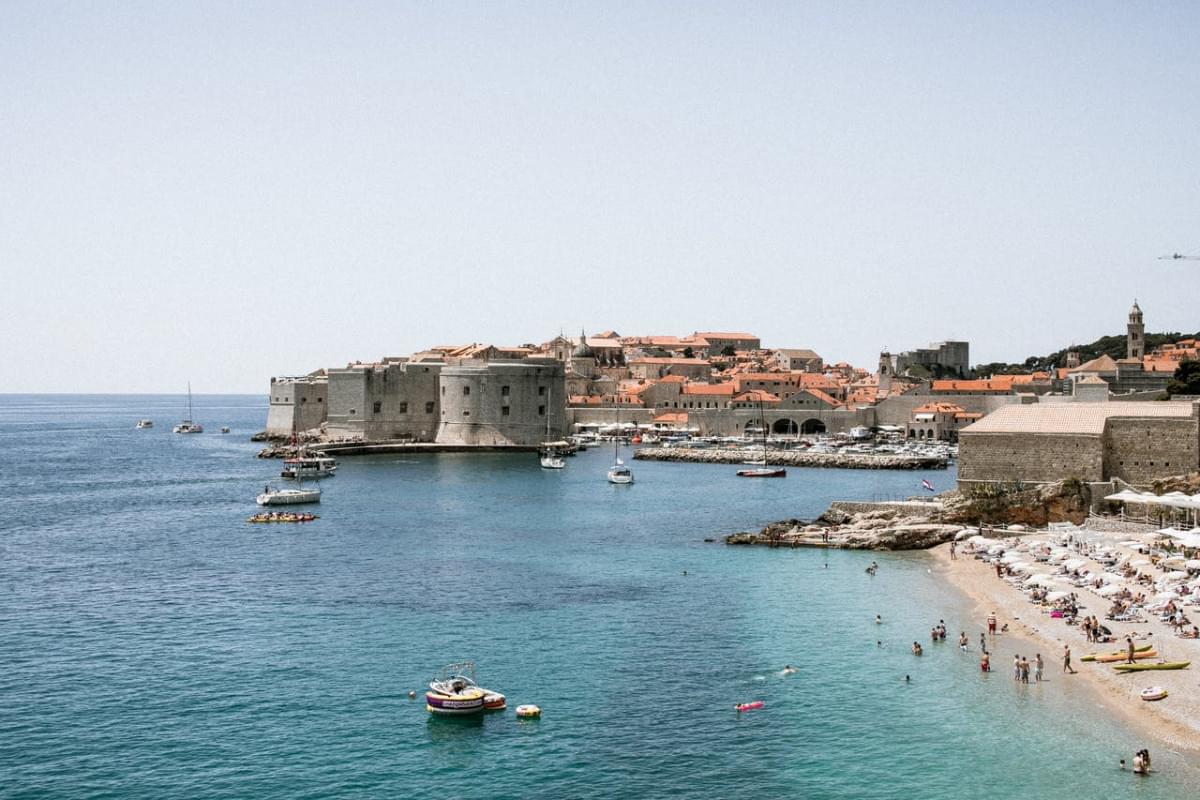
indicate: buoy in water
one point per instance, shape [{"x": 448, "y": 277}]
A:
[
  {"x": 412, "y": 695},
  {"x": 751, "y": 706},
  {"x": 528, "y": 711}
]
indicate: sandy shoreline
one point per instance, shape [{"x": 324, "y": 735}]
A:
[{"x": 1173, "y": 722}]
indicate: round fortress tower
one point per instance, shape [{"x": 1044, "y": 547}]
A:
[{"x": 502, "y": 403}]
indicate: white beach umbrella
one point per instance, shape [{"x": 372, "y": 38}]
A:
[
  {"x": 978, "y": 539},
  {"x": 1164, "y": 596},
  {"x": 1192, "y": 563},
  {"x": 1174, "y": 577},
  {"x": 995, "y": 550},
  {"x": 1060, "y": 595},
  {"x": 1016, "y": 528},
  {"x": 1109, "y": 589},
  {"x": 1018, "y": 567},
  {"x": 1140, "y": 562},
  {"x": 965, "y": 533},
  {"x": 1041, "y": 580},
  {"x": 1074, "y": 564}
]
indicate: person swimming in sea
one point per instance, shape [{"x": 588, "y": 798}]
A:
[
  {"x": 878, "y": 620},
  {"x": 788, "y": 669},
  {"x": 916, "y": 648}
]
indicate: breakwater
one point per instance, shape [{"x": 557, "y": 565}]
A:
[
  {"x": 859, "y": 526},
  {"x": 385, "y": 448},
  {"x": 792, "y": 458}
]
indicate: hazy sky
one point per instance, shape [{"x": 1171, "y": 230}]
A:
[{"x": 221, "y": 192}]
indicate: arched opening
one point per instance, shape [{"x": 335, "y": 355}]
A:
[
  {"x": 912, "y": 433},
  {"x": 785, "y": 426},
  {"x": 812, "y": 426}
]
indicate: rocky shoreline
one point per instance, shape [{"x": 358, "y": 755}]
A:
[
  {"x": 790, "y": 458},
  {"x": 883, "y": 529}
]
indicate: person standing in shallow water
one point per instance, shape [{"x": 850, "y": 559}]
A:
[
  {"x": 991, "y": 623},
  {"x": 1067, "y": 659},
  {"x": 1037, "y": 668}
]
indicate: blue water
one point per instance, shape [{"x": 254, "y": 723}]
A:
[{"x": 152, "y": 644}]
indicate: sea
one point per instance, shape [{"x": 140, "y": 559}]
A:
[{"x": 153, "y": 644}]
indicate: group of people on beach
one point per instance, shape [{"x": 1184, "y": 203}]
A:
[{"x": 1021, "y": 668}]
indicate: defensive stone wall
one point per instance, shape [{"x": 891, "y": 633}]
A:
[
  {"x": 296, "y": 404},
  {"x": 1140, "y": 451},
  {"x": 1029, "y": 457},
  {"x": 501, "y": 403},
  {"x": 898, "y": 409}
]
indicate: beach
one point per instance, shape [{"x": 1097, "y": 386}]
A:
[{"x": 1173, "y": 722}]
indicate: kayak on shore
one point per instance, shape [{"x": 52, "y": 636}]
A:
[
  {"x": 1096, "y": 656},
  {"x": 1140, "y": 667}
]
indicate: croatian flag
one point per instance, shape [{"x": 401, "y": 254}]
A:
[{"x": 927, "y": 485}]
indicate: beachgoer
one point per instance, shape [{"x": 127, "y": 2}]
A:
[
  {"x": 878, "y": 643},
  {"x": 985, "y": 662},
  {"x": 878, "y": 620},
  {"x": 1016, "y": 668},
  {"x": 962, "y": 641},
  {"x": 1139, "y": 766},
  {"x": 1024, "y": 670},
  {"x": 991, "y": 623},
  {"x": 1037, "y": 668},
  {"x": 1129, "y": 649},
  {"x": 907, "y": 679},
  {"x": 916, "y": 648},
  {"x": 1122, "y": 765},
  {"x": 953, "y": 545},
  {"x": 1067, "y": 659},
  {"x": 982, "y": 643}
]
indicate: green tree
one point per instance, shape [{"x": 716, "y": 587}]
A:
[
  {"x": 1186, "y": 379},
  {"x": 729, "y": 350},
  {"x": 688, "y": 352}
]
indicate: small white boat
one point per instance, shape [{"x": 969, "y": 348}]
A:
[
  {"x": 144, "y": 423},
  {"x": 287, "y": 497},
  {"x": 619, "y": 473},
  {"x": 308, "y": 467},
  {"x": 552, "y": 460},
  {"x": 224, "y": 429},
  {"x": 187, "y": 426},
  {"x": 551, "y": 454}
]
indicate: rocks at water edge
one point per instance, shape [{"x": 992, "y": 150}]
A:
[
  {"x": 791, "y": 458},
  {"x": 885, "y": 529}
]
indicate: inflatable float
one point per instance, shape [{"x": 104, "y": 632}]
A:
[
  {"x": 1154, "y": 693},
  {"x": 751, "y": 706},
  {"x": 528, "y": 711}
]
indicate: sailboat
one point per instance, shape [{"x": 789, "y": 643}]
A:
[
  {"x": 187, "y": 426},
  {"x": 551, "y": 453},
  {"x": 759, "y": 465},
  {"x": 619, "y": 473}
]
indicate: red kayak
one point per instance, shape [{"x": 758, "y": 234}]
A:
[{"x": 762, "y": 473}]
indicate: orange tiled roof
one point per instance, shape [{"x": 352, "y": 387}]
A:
[
  {"x": 756, "y": 396},
  {"x": 939, "y": 408},
  {"x": 817, "y": 393},
  {"x": 979, "y": 385},
  {"x": 722, "y": 389}
]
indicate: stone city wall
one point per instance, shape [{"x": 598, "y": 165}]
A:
[{"x": 1029, "y": 457}]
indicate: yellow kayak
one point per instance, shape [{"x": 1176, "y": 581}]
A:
[
  {"x": 1111, "y": 658},
  {"x": 1094, "y": 656}
]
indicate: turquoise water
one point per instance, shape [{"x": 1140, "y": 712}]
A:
[{"x": 153, "y": 644}]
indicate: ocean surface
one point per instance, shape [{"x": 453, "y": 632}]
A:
[{"x": 153, "y": 644}]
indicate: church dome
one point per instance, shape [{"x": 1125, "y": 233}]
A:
[{"x": 582, "y": 350}]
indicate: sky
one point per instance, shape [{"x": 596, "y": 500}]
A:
[{"x": 219, "y": 192}]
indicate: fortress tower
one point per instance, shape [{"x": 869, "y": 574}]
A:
[{"x": 1135, "y": 336}]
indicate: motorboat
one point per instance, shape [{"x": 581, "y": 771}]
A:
[
  {"x": 144, "y": 423},
  {"x": 454, "y": 691},
  {"x": 288, "y": 497},
  {"x": 308, "y": 467},
  {"x": 187, "y": 426},
  {"x": 551, "y": 459}
]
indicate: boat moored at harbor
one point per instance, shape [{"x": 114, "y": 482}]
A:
[
  {"x": 308, "y": 467},
  {"x": 187, "y": 425}
]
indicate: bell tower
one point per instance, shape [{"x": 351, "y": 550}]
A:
[
  {"x": 885, "y": 374},
  {"x": 1135, "y": 334}
]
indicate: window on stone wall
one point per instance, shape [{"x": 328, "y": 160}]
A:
[
  {"x": 320, "y": 400},
  {"x": 404, "y": 408},
  {"x": 504, "y": 411},
  {"x": 443, "y": 391},
  {"x": 541, "y": 391},
  {"x": 466, "y": 413},
  {"x": 303, "y": 399},
  {"x": 466, "y": 390},
  {"x": 377, "y": 406},
  {"x": 504, "y": 391},
  {"x": 429, "y": 407},
  {"x": 541, "y": 411}
]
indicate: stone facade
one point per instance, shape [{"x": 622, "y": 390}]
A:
[
  {"x": 1094, "y": 442},
  {"x": 396, "y": 400},
  {"x": 296, "y": 405},
  {"x": 502, "y": 403}
]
